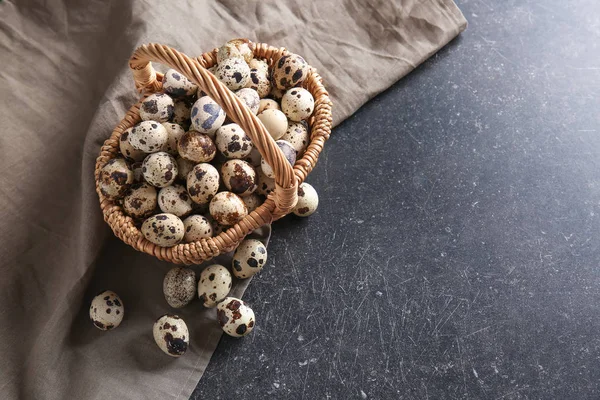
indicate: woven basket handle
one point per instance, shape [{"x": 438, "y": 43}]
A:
[{"x": 286, "y": 183}]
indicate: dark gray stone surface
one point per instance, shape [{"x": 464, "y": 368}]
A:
[{"x": 455, "y": 254}]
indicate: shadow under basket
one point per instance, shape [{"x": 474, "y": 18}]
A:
[{"x": 287, "y": 178}]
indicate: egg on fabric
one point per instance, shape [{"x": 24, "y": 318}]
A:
[
  {"x": 207, "y": 116},
  {"x": 297, "y": 135},
  {"x": 214, "y": 285},
  {"x": 236, "y": 48},
  {"x": 196, "y": 146},
  {"x": 175, "y": 200},
  {"x": 235, "y": 317},
  {"x": 252, "y": 201},
  {"x": 164, "y": 230},
  {"x": 181, "y": 113},
  {"x": 140, "y": 201},
  {"x": 159, "y": 169},
  {"x": 177, "y": 85},
  {"x": 184, "y": 167},
  {"x": 297, "y": 104},
  {"x": 288, "y": 151},
  {"x": 308, "y": 200},
  {"x": 171, "y": 335},
  {"x": 266, "y": 104},
  {"x": 148, "y": 136},
  {"x": 107, "y": 310},
  {"x": 239, "y": 177},
  {"x": 232, "y": 141},
  {"x": 250, "y": 98},
  {"x": 115, "y": 178},
  {"x": 233, "y": 73},
  {"x": 179, "y": 287},
  {"x": 203, "y": 183},
  {"x": 157, "y": 107},
  {"x": 227, "y": 208},
  {"x": 254, "y": 157},
  {"x": 174, "y": 133},
  {"x": 290, "y": 70},
  {"x": 259, "y": 81},
  {"x": 127, "y": 149},
  {"x": 275, "y": 121},
  {"x": 265, "y": 184},
  {"x": 249, "y": 258},
  {"x": 197, "y": 227}
]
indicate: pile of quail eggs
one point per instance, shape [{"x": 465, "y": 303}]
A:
[{"x": 187, "y": 172}]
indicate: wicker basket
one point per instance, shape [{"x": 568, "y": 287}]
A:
[{"x": 278, "y": 203}]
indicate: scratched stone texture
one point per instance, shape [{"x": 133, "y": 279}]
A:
[{"x": 455, "y": 253}]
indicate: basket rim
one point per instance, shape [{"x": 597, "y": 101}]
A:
[{"x": 148, "y": 81}]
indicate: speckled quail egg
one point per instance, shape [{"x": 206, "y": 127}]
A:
[
  {"x": 184, "y": 167},
  {"x": 106, "y": 311},
  {"x": 249, "y": 258},
  {"x": 227, "y": 208},
  {"x": 175, "y": 200},
  {"x": 235, "y": 317},
  {"x": 148, "y": 136},
  {"x": 174, "y": 133},
  {"x": 276, "y": 93},
  {"x": 250, "y": 97},
  {"x": 171, "y": 335},
  {"x": 159, "y": 169},
  {"x": 164, "y": 230},
  {"x": 196, "y": 146},
  {"x": 254, "y": 157},
  {"x": 138, "y": 175},
  {"x": 297, "y": 104},
  {"x": 308, "y": 200},
  {"x": 288, "y": 152},
  {"x": 258, "y": 63},
  {"x": 275, "y": 121},
  {"x": 140, "y": 201},
  {"x": 297, "y": 135},
  {"x": 289, "y": 71},
  {"x": 177, "y": 85},
  {"x": 179, "y": 287},
  {"x": 203, "y": 183},
  {"x": 233, "y": 142},
  {"x": 157, "y": 107},
  {"x": 197, "y": 227},
  {"x": 259, "y": 81},
  {"x": 239, "y": 177},
  {"x": 266, "y": 104},
  {"x": 265, "y": 184},
  {"x": 252, "y": 201},
  {"x": 236, "y": 48},
  {"x": 127, "y": 149},
  {"x": 233, "y": 73},
  {"x": 115, "y": 178},
  {"x": 214, "y": 285},
  {"x": 182, "y": 112},
  {"x": 207, "y": 116}
]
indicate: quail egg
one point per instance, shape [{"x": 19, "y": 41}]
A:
[
  {"x": 197, "y": 227},
  {"x": 171, "y": 335},
  {"x": 164, "y": 230},
  {"x": 249, "y": 258},
  {"x": 235, "y": 317},
  {"x": 157, "y": 107},
  {"x": 174, "y": 133},
  {"x": 227, "y": 208},
  {"x": 259, "y": 81},
  {"x": 297, "y": 135},
  {"x": 140, "y": 201},
  {"x": 196, "y": 146},
  {"x": 233, "y": 73},
  {"x": 127, "y": 149},
  {"x": 115, "y": 178},
  {"x": 233, "y": 142},
  {"x": 106, "y": 311},
  {"x": 179, "y": 287},
  {"x": 214, "y": 285},
  {"x": 148, "y": 136},
  {"x": 177, "y": 85},
  {"x": 257, "y": 63},
  {"x": 275, "y": 121},
  {"x": 235, "y": 48},
  {"x": 289, "y": 71},
  {"x": 159, "y": 169},
  {"x": 184, "y": 167},
  {"x": 181, "y": 113},
  {"x": 266, "y": 104},
  {"x": 252, "y": 202},
  {"x": 175, "y": 200},
  {"x": 288, "y": 152},
  {"x": 203, "y": 183},
  {"x": 308, "y": 200},
  {"x": 207, "y": 116},
  {"x": 297, "y": 104},
  {"x": 265, "y": 184},
  {"x": 239, "y": 177},
  {"x": 250, "y": 97}
]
